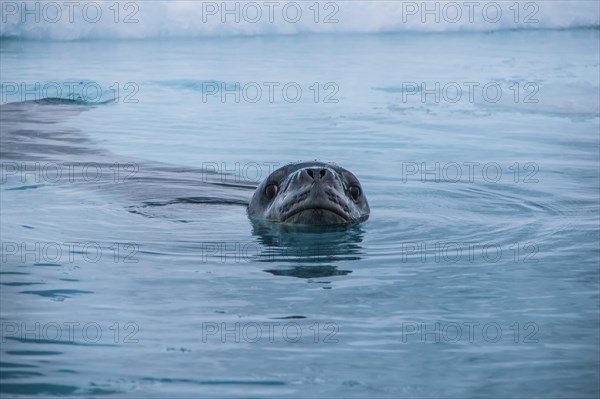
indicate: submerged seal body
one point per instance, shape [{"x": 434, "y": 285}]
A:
[{"x": 312, "y": 193}]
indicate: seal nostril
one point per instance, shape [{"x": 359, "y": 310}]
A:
[
  {"x": 310, "y": 173},
  {"x": 323, "y": 172}
]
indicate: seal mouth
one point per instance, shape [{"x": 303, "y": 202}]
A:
[{"x": 329, "y": 211}]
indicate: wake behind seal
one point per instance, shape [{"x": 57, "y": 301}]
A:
[{"x": 310, "y": 193}]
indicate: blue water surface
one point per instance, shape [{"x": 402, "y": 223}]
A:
[{"x": 476, "y": 275}]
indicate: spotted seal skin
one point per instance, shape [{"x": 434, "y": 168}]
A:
[{"x": 310, "y": 193}]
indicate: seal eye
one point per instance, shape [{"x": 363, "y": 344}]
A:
[
  {"x": 354, "y": 192},
  {"x": 271, "y": 190}
]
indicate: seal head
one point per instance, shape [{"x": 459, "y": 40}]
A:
[{"x": 312, "y": 193}]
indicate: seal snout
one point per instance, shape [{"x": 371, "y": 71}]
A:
[
  {"x": 316, "y": 174},
  {"x": 320, "y": 201}
]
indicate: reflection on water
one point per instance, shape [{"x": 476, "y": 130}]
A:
[
  {"x": 309, "y": 272},
  {"x": 307, "y": 251}
]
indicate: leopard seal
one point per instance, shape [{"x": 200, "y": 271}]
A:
[{"x": 310, "y": 193}]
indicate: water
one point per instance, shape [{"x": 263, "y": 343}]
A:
[{"x": 479, "y": 284}]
